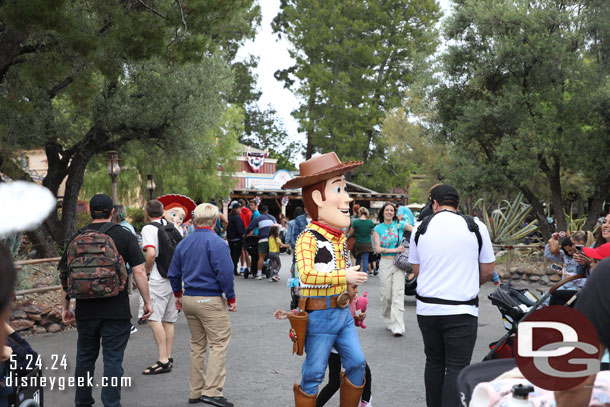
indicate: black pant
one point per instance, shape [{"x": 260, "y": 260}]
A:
[
  {"x": 235, "y": 248},
  {"x": 334, "y": 381},
  {"x": 252, "y": 249},
  {"x": 448, "y": 344}
]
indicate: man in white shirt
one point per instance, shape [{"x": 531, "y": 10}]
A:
[
  {"x": 164, "y": 313},
  {"x": 452, "y": 256}
]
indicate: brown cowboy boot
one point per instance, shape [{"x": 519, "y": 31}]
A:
[
  {"x": 302, "y": 399},
  {"x": 350, "y": 394}
]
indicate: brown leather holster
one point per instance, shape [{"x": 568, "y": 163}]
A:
[{"x": 298, "y": 331}]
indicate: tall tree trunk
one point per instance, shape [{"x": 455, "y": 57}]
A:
[
  {"x": 554, "y": 177},
  {"x": 309, "y": 150},
  {"x": 42, "y": 242},
  {"x": 597, "y": 204}
]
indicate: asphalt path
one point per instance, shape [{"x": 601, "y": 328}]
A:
[{"x": 260, "y": 366}]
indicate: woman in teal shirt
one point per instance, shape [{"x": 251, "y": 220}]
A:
[
  {"x": 361, "y": 230},
  {"x": 388, "y": 235}
]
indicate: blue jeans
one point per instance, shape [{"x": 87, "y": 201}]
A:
[
  {"x": 362, "y": 260},
  {"x": 448, "y": 344},
  {"x": 114, "y": 335},
  {"x": 327, "y": 328}
]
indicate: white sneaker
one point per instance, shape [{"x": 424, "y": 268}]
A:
[
  {"x": 259, "y": 277},
  {"x": 133, "y": 330},
  {"x": 367, "y": 404}
]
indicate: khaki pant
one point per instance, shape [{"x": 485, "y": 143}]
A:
[
  {"x": 209, "y": 323},
  {"x": 392, "y": 292}
]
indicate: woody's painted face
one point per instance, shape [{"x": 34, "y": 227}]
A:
[
  {"x": 174, "y": 215},
  {"x": 334, "y": 210}
]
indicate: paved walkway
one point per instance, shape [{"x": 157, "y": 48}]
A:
[{"x": 260, "y": 366}]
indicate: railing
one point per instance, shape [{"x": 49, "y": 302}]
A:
[{"x": 19, "y": 265}]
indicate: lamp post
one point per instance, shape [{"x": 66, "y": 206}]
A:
[
  {"x": 150, "y": 185},
  {"x": 113, "y": 171}
]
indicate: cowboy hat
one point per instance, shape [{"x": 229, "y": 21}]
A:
[
  {"x": 320, "y": 168},
  {"x": 178, "y": 201}
]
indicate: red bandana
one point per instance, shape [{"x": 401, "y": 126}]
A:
[{"x": 335, "y": 232}]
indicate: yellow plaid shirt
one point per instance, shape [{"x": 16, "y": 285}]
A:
[{"x": 320, "y": 279}]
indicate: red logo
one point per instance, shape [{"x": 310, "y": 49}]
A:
[{"x": 557, "y": 348}]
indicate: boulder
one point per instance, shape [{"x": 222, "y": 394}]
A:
[
  {"x": 537, "y": 271},
  {"x": 503, "y": 273},
  {"x": 515, "y": 269},
  {"x": 39, "y": 329},
  {"x": 19, "y": 314},
  {"x": 534, "y": 278},
  {"x": 555, "y": 278},
  {"x": 22, "y": 324},
  {"x": 53, "y": 328},
  {"x": 54, "y": 315}
]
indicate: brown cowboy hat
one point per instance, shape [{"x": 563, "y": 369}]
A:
[{"x": 320, "y": 168}]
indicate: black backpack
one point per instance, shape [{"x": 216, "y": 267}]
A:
[
  {"x": 169, "y": 237},
  {"x": 472, "y": 226}
]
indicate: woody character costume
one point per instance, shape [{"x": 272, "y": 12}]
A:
[{"x": 324, "y": 272}]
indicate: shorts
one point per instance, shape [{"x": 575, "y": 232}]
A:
[
  {"x": 263, "y": 247},
  {"x": 162, "y": 301}
]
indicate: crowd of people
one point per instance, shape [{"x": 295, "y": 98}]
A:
[{"x": 189, "y": 255}]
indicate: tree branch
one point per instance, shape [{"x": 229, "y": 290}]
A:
[
  {"x": 151, "y": 9},
  {"x": 179, "y": 2},
  {"x": 53, "y": 92}
]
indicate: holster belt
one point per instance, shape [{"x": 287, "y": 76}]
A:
[
  {"x": 315, "y": 304},
  {"x": 431, "y": 300}
]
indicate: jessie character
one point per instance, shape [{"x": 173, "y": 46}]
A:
[
  {"x": 324, "y": 272},
  {"x": 177, "y": 209}
]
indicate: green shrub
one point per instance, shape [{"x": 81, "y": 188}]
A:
[
  {"x": 136, "y": 217},
  {"x": 25, "y": 278},
  {"x": 82, "y": 220}
]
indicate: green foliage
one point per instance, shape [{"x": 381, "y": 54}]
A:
[
  {"x": 25, "y": 278},
  {"x": 576, "y": 224},
  {"x": 83, "y": 219},
  {"x": 520, "y": 103},
  {"x": 80, "y": 78},
  {"x": 354, "y": 60},
  {"x": 136, "y": 217},
  {"x": 505, "y": 223}
]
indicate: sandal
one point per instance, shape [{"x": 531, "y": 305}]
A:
[
  {"x": 158, "y": 368},
  {"x": 171, "y": 362}
]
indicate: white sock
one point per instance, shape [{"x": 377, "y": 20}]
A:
[{"x": 259, "y": 272}]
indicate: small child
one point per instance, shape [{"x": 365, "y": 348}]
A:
[
  {"x": 334, "y": 360},
  {"x": 274, "y": 252}
]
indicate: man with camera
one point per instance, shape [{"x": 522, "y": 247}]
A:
[{"x": 452, "y": 256}]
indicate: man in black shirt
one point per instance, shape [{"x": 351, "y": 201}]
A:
[
  {"x": 594, "y": 303},
  {"x": 105, "y": 319}
]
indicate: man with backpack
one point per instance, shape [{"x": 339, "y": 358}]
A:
[
  {"x": 159, "y": 239},
  {"x": 451, "y": 255},
  {"x": 92, "y": 270},
  {"x": 263, "y": 223}
]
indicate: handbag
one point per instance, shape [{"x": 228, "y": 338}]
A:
[
  {"x": 401, "y": 260},
  {"x": 349, "y": 243}
]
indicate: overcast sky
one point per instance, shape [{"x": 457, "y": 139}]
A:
[{"x": 273, "y": 55}]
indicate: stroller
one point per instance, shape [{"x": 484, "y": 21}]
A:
[
  {"x": 25, "y": 396},
  {"x": 515, "y": 304}
]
